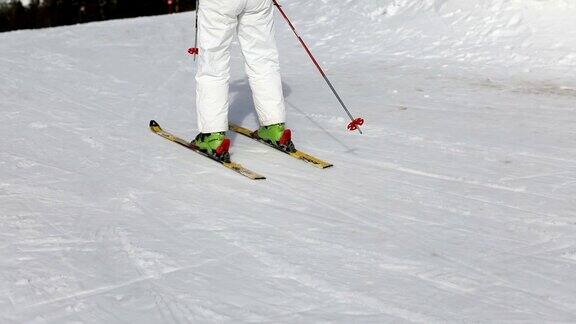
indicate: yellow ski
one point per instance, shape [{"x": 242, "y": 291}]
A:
[
  {"x": 297, "y": 154},
  {"x": 155, "y": 127}
]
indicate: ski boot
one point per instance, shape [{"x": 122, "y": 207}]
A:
[
  {"x": 277, "y": 135},
  {"x": 213, "y": 144}
]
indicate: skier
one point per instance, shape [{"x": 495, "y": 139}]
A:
[{"x": 253, "y": 22}]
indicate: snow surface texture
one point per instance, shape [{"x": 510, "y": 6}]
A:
[{"x": 457, "y": 205}]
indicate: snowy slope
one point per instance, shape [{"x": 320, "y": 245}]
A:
[
  {"x": 457, "y": 205},
  {"x": 527, "y": 36}
]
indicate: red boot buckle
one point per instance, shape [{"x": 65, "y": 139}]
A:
[
  {"x": 224, "y": 147},
  {"x": 286, "y": 137}
]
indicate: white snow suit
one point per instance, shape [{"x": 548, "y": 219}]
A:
[{"x": 253, "y": 21}]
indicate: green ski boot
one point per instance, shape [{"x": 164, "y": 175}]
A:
[
  {"x": 277, "y": 135},
  {"x": 213, "y": 144}
]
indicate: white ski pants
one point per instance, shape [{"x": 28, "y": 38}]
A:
[{"x": 253, "y": 21}]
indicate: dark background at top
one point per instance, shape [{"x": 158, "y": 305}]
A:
[{"x": 49, "y": 13}]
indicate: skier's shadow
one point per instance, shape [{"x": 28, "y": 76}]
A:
[{"x": 242, "y": 109}]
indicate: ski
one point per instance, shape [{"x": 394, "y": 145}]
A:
[
  {"x": 155, "y": 127},
  {"x": 296, "y": 154}
]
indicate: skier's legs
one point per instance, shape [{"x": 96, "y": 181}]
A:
[
  {"x": 256, "y": 36},
  {"x": 217, "y": 23}
]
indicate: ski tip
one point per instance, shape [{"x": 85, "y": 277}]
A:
[{"x": 153, "y": 123}]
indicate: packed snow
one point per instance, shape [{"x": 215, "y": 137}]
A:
[{"x": 458, "y": 204}]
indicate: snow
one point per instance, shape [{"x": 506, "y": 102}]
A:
[{"x": 456, "y": 205}]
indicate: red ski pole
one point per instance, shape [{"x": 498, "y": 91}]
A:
[
  {"x": 355, "y": 123},
  {"x": 194, "y": 50}
]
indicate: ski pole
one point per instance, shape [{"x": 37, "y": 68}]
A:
[
  {"x": 355, "y": 123},
  {"x": 194, "y": 50}
]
